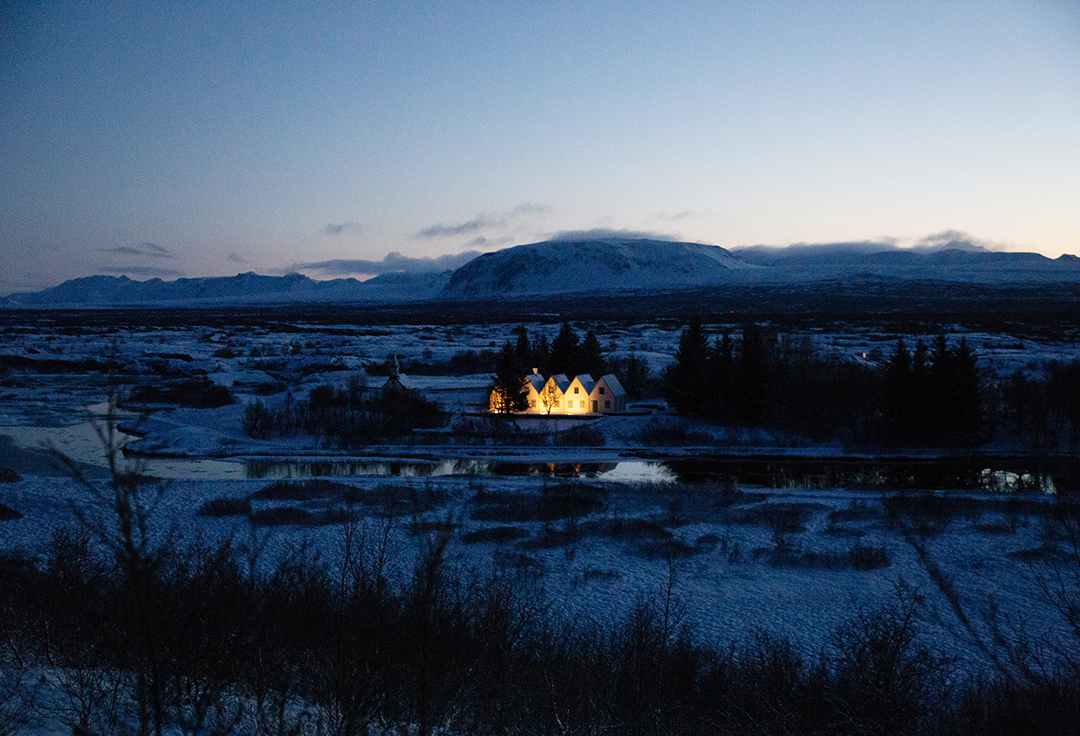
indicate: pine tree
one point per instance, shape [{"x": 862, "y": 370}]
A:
[
  {"x": 591, "y": 356},
  {"x": 633, "y": 374},
  {"x": 565, "y": 352},
  {"x": 922, "y": 407},
  {"x": 724, "y": 371},
  {"x": 897, "y": 410},
  {"x": 687, "y": 377},
  {"x": 968, "y": 422},
  {"x": 506, "y": 394},
  {"x": 523, "y": 352},
  {"x": 940, "y": 417},
  {"x": 753, "y": 375},
  {"x": 541, "y": 355}
]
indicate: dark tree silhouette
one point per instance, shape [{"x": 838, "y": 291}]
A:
[
  {"x": 523, "y": 351},
  {"x": 633, "y": 374},
  {"x": 506, "y": 395},
  {"x": 565, "y": 353},
  {"x": 688, "y": 376},
  {"x": 541, "y": 355},
  {"x": 591, "y": 359},
  {"x": 753, "y": 378},
  {"x": 898, "y": 394}
]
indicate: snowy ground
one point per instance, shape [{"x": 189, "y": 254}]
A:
[{"x": 643, "y": 528}]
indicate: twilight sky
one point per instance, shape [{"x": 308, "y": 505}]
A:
[{"x": 207, "y": 138}]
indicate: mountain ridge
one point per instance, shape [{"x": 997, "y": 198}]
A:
[{"x": 576, "y": 266}]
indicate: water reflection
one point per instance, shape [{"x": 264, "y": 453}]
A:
[
  {"x": 622, "y": 472},
  {"x": 24, "y": 447},
  {"x": 315, "y": 468}
]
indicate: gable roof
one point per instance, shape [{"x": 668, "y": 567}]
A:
[
  {"x": 586, "y": 381},
  {"x": 561, "y": 381},
  {"x": 613, "y": 384},
  {"x": 537, "y": 381}
]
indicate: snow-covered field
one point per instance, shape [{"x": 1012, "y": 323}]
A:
[{"x": 776, "y": 558}]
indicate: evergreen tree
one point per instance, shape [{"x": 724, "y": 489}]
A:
[
  {"x": 591, "y": 359},
  {"x": 724, "y": 371},
  {"x": 897, "y": 410},
  {"x": 506, "y": 394},
  {"x": 940, "y": 393},
  {"x": 523, "y": 352},
  {"x": 922, "y": 407},
  {"x": 687, "y": 377},
  {"x": 565, "y": 352},
  {"x": 753, "y": 375},
  {"x": 541, "y": 355},
  {"x": 633, "y": 374},
  {"x": 967, "y": 403}
]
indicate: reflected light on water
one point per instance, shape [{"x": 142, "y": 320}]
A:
[{"x": 636, "y": 471}]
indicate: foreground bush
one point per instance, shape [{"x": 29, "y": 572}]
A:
[
  {"x": 136, "y": 633},
  {"x": 196, "y": 640}
]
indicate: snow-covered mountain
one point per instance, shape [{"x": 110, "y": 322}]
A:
[
  {"x": 600, "y": 265},
  {"x": 960, "y": 264},
  {"x": 597, "y": 265},
  {"x": 245, "y": 288}
]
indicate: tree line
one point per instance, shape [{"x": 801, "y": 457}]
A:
[
  {"x": 760, "y": 378},
  {"x": 934, "y": 394}
]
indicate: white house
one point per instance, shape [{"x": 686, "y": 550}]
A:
[{"x": 580, "y": 395}]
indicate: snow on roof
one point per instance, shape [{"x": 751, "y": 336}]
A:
[
  {"x": 537, "y": 381},
  {"x": 613, "y": 384},
  {"x": 561, "y": 381},
  {"x": 586, "y": 382}
]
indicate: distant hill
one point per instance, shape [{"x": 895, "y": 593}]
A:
[
  {"x": 585, "y": 266},
  {"x": 603, "y": 265},
  {"x": 961, "y": 264},
  {"x": 245, "y": 288}
]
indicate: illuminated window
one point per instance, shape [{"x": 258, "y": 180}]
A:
[{"x": 582, "y": 403}]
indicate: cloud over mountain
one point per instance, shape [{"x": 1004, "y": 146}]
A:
[
  {"x": 603, "y": 233},
  {"x": 391, "y": 263},
  {"x": 954, "y": 240}
]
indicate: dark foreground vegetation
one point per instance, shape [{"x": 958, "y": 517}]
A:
[{"x": 118, "y": 628}]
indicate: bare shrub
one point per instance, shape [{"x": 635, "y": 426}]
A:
[
  {"x": 258, "y": 420},
  {"x": 883, "y": 679}
]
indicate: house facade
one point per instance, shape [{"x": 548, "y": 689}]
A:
[{"x": 581, "y": 394}]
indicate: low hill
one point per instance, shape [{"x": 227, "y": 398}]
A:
[
  {"x": 245, "y": 288},
  {"x": 603, "y": 265}
]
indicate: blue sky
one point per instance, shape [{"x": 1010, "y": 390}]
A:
[{"x": 208, "y": 138}]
